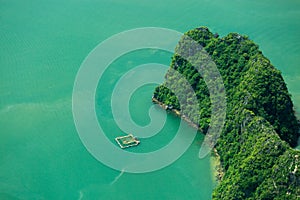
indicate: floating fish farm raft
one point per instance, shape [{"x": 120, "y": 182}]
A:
[{"x": 127, "y": 141}]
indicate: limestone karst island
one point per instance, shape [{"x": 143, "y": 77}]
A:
[{"x": 256, "y": 146}]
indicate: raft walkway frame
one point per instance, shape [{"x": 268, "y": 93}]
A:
[{"x": 127, "y": 141}]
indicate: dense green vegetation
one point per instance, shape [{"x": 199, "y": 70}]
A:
[{"x": 260, "y": 127}]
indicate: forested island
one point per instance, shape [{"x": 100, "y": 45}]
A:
[{"x": 260, "y": 131}]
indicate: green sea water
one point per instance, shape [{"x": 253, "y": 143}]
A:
[{"x": 42, "y": 45}]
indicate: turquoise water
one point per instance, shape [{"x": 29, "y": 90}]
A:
[{"x": 42, "y": 45}]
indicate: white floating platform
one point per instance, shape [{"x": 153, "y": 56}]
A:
[{"x": 127, "y": 141}]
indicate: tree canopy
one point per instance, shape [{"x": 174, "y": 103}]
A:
[{"x": 260, "y": 127}]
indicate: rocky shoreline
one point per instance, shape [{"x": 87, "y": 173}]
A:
[
  {"x": 218, "y": 173},
  {"x": 217, "y": 167},
  {"x": 177, "y": 113}
]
